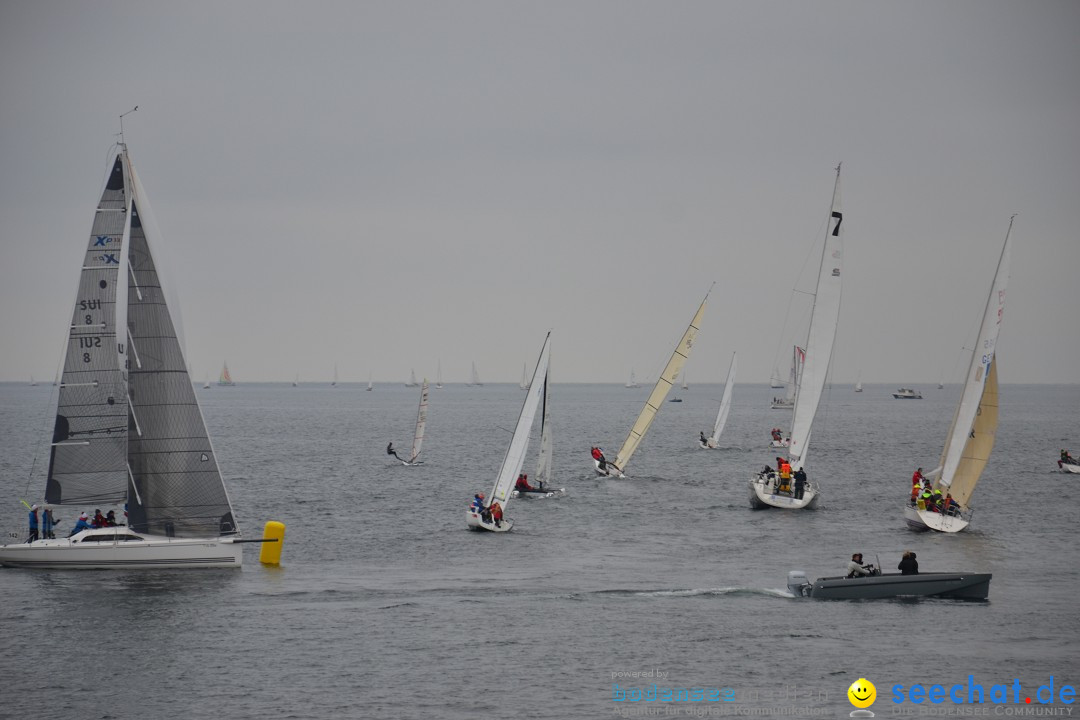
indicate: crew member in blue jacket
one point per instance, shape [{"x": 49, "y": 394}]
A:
[
  {"x": 33, "y": 524},
  {"x": 82, "y": 524}
]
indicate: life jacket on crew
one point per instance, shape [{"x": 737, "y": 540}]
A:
[
  {"x": 785, "y": 471},
  {"x": 496, "y": 511}
]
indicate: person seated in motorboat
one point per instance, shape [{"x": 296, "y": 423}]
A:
[
  {"x": 83, "y": 523},
  {"x": 800, "y": 483},
  {"x": 496, "y": 514},
  {"x": 598, "y": 456},
  {"x": 908, "y": 564},
  {"x": 522, "y": 484},
  {"x": 477, "y": 503},
  {"x": 855, "y": 568},
  {"x": 391, "y": 451}
]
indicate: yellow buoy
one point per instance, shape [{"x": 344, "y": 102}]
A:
[{"x": 273, "y": 539}]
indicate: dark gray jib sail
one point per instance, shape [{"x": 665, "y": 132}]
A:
[{"x": 168, "y": 472}]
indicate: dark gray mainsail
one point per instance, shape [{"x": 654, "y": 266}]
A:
[
  {"x": 170, "y": 477},
  {"x": 88, "y": 456}
]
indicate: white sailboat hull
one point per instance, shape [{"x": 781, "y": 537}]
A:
[
  {"x": 1069, "y": 467},
  {"x": 611, "y": 470},
  {"x": 763, "y": 495},
  {"x": 783, "y": 405},
  {"x": 539, "y": 494},
  {"x": 120, "y": 548},
  {"x": 921, "y": 520},
  {"x": 475, "y": 522},
  {"x": 779, "y": 443}
]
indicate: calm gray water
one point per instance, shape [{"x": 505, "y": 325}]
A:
[{"x": 385, "y": 606}]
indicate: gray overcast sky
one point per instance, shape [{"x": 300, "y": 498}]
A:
[{"x": 384, "y": 185}]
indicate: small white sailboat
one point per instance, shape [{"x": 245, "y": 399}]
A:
[
  {"x": 206, "y": 382},
  {"x": 632, "y": 382},
  {"x": 33, "y": 382},
  {"x": 412, "y": 379},
  {"x": 787, "y": 402},
  {"x": 487, "y": 516},
  {"x": 129, "y": 432},
  {"x": 668, "y": 377},
  {"x": 474, "y": 379},
  {"x": 971, "y": 436},
  {"x": 370, "y": 385},
  {"x": 858, "y": 384},
  {"x": 770, "y": 489},
  {"x": 225, "y": 379},
  {"x": 713, "y": 440},
  {"x": 524, "y": 384},
  {"x": 543, "y": 488},
  {"x": 684, "y": 385},
  {"x": 438, "y": 377},
  {"x": 296, "y": 380},
  {"x": 418, "y": 434}
]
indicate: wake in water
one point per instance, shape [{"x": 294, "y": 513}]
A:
[{"x": 694, "y": 592}]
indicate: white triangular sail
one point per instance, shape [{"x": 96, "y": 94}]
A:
[
  {"x": 421, "y": 420},
  {"x": 667, "y": 378},
  {"x": 515, "y": 454},
  {"x": 964, "y": 456},
  {"x": 725, "y": 403},
  {"x": 543, "y": 460},
  {"x": 524, "y": 384},
  {"x": 814, "y": 369}
]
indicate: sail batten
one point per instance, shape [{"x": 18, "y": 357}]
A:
[{"x": 663, "y": 385}]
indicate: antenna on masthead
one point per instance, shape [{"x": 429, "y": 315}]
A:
[{"x": 122, "y": 122}]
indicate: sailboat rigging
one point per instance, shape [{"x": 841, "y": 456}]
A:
[{"x": 668, "y": 377}]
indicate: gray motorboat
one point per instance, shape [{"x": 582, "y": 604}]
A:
[{"x": 962, "y": 586}]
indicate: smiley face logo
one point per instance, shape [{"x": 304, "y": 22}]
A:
[{"x": 862, "y": 693}]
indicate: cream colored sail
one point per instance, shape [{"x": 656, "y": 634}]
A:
[
  {"x": 980, "y": 442},
  {"x": 656, "y": 398}
]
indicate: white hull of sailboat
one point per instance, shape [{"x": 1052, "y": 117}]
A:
[
  {"x": 779, "y": 443},
  {"x": 609, "y": 471},
  {"x": 764, "y": 495},
  {"x": 920, "y": 520},
  {"x": 412, "y": 463},
  {"x": 539, "y": 494},
  {"x": 1069, "y": 467},
  {"x": 475, "y": 522},
  {"x": 125, "y": 549},
  {"x": 783, "y": 405}
]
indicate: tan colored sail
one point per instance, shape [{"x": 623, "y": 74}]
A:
[
  {"x": 656, "y": 398},
  {"x": 980, "y": 442}
]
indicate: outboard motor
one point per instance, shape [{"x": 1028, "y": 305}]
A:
[{"x": 797, "y": 584}]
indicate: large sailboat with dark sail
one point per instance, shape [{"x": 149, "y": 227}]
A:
[{"x": 129, "y": 434}]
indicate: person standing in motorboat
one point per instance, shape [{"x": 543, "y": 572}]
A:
[
  {"x": 908, "y": 564},
  {"x": 855, "y": 568}
]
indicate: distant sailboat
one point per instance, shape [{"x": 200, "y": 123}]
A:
[
  {"x": 333, "y": 383},
  {"x": 774, "y": 379},
  {"x": 769, "y": 489},
  {"x": 712, "y": 441},
  {"x": 418, "y": 434},
  {"x": 632, "y": 382},
  {"x": 369, "y": 385},
  {"x": 484, "y": 518},
  {"x": 524, "y": 384},
  {"x": 206, "y": 382},
  {"x": 33, "y": 382},
  {"x": 412, "y": 379},
  {"x": 787, "y": 402},
  {"x": 225, "y": 380},
  {"x": 296, "y": 380},
  {"x": 438, "y": 377},
  {"x": 971, "y": 436},
  {"x": 474, "y": 380},
  {"x": 645, "y": 418},
  {"x": 684, "y": 385},
  {"x": 858, "y": 383}
]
